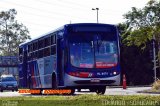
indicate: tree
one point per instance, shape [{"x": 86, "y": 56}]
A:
[
  {"x": 144, "y": 23},
  {"x": 137, "y": 32},
  {"x": 135, "y": 62},
  {"x": 11, "y": 33}
]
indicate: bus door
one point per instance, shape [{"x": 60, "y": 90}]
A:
[{"x": 60, "y": 62}]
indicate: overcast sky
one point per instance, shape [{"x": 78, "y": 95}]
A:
[{"x": 42, "y": 16}]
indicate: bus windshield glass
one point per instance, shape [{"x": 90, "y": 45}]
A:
[{"x": 92, "y": 50}]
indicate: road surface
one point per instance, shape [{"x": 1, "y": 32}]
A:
[{"x": 109, "y": 91}]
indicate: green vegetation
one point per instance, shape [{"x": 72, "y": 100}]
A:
[
  {"x": 136, "y": 49},
  {"x": 12, "y": 33},
  {"x": 156, "y": 85},
  {"x": 155, "y": 88},
  {"x": 142, "y": 24},
  {"x": 83, "y": 100}
]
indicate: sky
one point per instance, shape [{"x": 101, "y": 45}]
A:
[{"x": 42, "y": 16}]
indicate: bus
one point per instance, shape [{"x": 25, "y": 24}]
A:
[{"x": 75, "y": 56}]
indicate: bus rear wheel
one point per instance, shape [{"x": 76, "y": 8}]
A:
[
  {"x": 101, "y": 90},
  {"x": 54, "y": 82},
  {"x": 79, "y": 90},
  {"x": 72, "y": 91}
]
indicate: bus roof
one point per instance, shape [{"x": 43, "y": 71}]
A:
[
  {"x": 99, "y": 24},
  {"x": 66, "y": 25},
  {"x": 41, "y": 36}
]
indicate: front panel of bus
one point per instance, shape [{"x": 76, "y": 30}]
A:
[{"x": 93, "y": 57}]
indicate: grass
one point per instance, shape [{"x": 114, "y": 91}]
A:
[{"x": 82, "y": 100}]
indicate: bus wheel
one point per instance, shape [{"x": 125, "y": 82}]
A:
[
  {"x": 54, "y": 82},
  {"x": 101, "y": 90},
  {"x": 72, "y": 91},
  {"x": 79, "y": 90}
]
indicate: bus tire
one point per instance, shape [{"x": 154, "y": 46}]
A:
[
  {"x": 101, "y": 90},
  {"x": 54, "y": 81},
  {"x": 72, "y": 91},
  {"x": 79, "y": 90}
]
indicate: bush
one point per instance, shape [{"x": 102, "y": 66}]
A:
[{"x": 156, "y": 85}]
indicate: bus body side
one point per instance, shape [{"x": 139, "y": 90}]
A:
[{"x": 39, "y": 68}]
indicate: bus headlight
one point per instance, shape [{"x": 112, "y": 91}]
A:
[{"x": 114, "y": 73}]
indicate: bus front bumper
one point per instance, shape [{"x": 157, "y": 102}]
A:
[{"x": 76, "y": 81}]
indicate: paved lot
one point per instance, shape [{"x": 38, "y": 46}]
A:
[
  {"x": 109, "y": 91},
  {"x": 120, "y": 91},
  {"x": 128, "y": 91}
]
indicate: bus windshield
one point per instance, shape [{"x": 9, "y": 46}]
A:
[{"x": 93, "y": 50}]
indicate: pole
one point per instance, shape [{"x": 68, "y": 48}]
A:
[
  {"x": 154, "y": 59},
  {"x": 97, "y": 12}
]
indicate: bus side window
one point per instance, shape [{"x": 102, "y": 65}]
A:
[
  {"x": 35, "y": 46},
  {"x": 53, "y": 39},
  {"x": 34, "y": 56},
  {"x": 47, "y": 41},
  {"x": 47, "y": 51},
  {"x": 29, "y": 56},
  {"x": 29, "y": 48},
  {"x": 40, "y": 53},
  {"x": 53, "y": 50},
  {"x": 40, "y": 44}
]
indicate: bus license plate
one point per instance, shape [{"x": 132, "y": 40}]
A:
[{"x": 95, "y": 80}]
